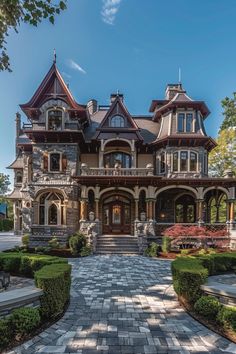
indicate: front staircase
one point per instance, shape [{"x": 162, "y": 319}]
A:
[{"x": 117, "y": 244}]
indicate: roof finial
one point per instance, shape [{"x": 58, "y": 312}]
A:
[
  {"x": 180, "y": 76},
  {"x": 117, "y": 92},
  {"x": 55, "y": 56}
]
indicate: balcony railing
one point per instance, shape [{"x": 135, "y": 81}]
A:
[
  {"x": 41, "y": 126},
  {"x": 142, "y": 172}
]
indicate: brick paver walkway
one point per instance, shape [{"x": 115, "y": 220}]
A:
[{"x": 125, "y": 304}]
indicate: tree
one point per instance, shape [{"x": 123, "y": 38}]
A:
[
  {"x": 229, "y": 112},
  {"x": 223, "y": 157},
  {"x": 4, "y": 184},
  {"x": 13, "y": 12}
]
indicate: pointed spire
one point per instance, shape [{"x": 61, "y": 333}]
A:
[
  {"x": 180, "y": 76},
  {"x": 54, "y": 56}
]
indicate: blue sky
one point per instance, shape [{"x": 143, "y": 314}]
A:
[{"x": 131, "y": 45}]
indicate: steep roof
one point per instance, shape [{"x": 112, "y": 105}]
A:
[{"x": 52, "y": 87}]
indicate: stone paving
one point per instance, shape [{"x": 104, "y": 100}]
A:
[{"x": 125, "y": 304}]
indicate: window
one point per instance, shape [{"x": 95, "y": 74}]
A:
[
  {"x": 19, "y": 177},
  {"x": 51, "y": 209},
  {"x": 117, "y": 122},
  {"x": 175, "y": 162},
  {"x": 162, "y": 163},
  {"x": 181, "y": 118},
  {"x": 189, "y": 122},
  {"x": 54, "y": 119},
  {"x": 183, "y": 161},
  {"x": 193, "y": 161},
  {"x": 55, "y": 162},
  {"x": 185, "y": 123},
  {"x": 117, "y": 158}
]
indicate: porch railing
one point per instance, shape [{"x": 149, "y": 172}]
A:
[
  {"x": 90, "y": 171},
  {"x": 161, "y": 227},
  {"x": 44, "y": 230}
]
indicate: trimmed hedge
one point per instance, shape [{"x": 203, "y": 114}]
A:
[
  {"x": 55, "y": 281},
  {"x": 218, "y": 262},
  {"x": 6, "y": 333},
  {"x": 26, "y": 264},
  {"x": 207, "y": 306},
  {"x": 24, "y": 320},
  {"x": 188, "y": 275}
]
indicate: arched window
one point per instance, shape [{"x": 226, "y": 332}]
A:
[
  {"x": 163, "y": 163},
  {"x": 18, "y": 177},
  {"x": 193, "y": 161},
  {"x": 54, "y": 119},
  {"x": 51, "y": 209},
  {"x": 117, "y": 122},
  {"x": 91, "y": 200}
]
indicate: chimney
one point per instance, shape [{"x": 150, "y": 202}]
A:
[
  {"x": 92, "y": 106},
  {"x": 18, "y": 129},
  {"x": 172, "y": 90},
  {"x": 115, "y": 95}
]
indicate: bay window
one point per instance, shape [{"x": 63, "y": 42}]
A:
[{"x": 185, "y": 161}]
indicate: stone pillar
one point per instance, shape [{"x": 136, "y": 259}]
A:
[
  {"x": 96, "y": 209},
  {"x": 231, "y": 218},
  {"x": 147, "y": 210},
  {"x": 150, "y": 215},
  {"x": 199, "y": 211},
  {"x": 136, "y": 209},
  {"x": 83, "y": 210}
]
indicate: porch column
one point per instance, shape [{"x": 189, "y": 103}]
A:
[
  {"x": 136, "y": 209},
  {"x": 147, "y": 210},
  {"x": 150, "y": 209},
  {"x": 199, "y": 210},
  {"x": 83, "y": 209},
  {"x": 154, "y": 209},
  {"x": 96, "y": 209},
  {"x": 231, "y": 212}
]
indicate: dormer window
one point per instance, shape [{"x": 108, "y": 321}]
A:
[
  {"x": 117, "y": 122},
  {"x": 54, "y": 119},
  {"x": 19, "y": 177},
  {"x": 185, "y": 123}
]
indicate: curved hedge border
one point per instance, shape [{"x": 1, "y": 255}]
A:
[
  {"x": 189, "y": 273},
  {"x": 52, "y": 274}
]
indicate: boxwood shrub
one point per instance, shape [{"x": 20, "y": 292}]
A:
[
  {"x": 227, "y": 317},
  {"x": 55, "y": 281},
  {"x": 6, "y": 333},
  {"x": 24, "y": 320},
  {"x": 207, "y": 306}
]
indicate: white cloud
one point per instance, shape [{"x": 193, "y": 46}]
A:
[
  {"x": 109, "y": 10},
  {"x": 75, "y": 66},
  {"x": 65, "y": 75}
]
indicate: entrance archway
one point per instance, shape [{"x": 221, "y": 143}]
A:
[
  {"x": 116, "y": 217},
  {"x": 185, "y": 209}
]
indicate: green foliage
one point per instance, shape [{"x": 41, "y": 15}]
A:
[
  {"x": 188, "y": 275},
  {"x": 24, "y": 320},
  {"x": 152, "y": 250},
  {"x": 6, "y": 224},
  {"x": 55, "y": 281},
  {"x": 219, "y": 262},
  {"x": 227, "y": 317},
  {"x": 14, "y": 12},
  {"x": 25, "y": 240},
  {"x": 184, "y": 252},
  {"x": 76, "y": 243},
  {"x": 6, "y": 333},
  {"x": 4, "y": 179},
  {"x": 166, "y": 244},
  {"x": 223, "y": 156},
  {"x": 54, "y": 243},
  {"x": 10, "y": 262},
  {"x": 229, "y": 112},
  {"x": 207, "y": 306},
  {"x": 86, "y": 251}
]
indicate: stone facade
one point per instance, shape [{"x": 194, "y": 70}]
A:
[{"x": 132, "y": 173}]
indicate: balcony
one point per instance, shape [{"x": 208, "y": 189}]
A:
[
  {"x": 42, "y": 127},
  {"x": 109, "y": 172}
]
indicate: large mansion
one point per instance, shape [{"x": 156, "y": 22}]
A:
[{"x": 79, "y": 163}]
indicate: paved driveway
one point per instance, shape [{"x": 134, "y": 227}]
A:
[
  {"x": 122, "y": 304},
  {"x": 9, "y": 240}
]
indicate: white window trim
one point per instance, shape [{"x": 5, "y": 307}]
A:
[
  {"x": 49, "y": 161},
  {"x": 62, "y": 117},
  {"x": 188, "y": 161},
  {"x": 58, "y": 204},
  {"x": 185, "y": 121}
]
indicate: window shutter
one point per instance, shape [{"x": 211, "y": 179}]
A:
[
  {"x": 45, "y": 162},
  {"x": 64, "y": 162}
]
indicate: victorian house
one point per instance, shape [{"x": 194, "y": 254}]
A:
[{"x": 90, "y": 162}]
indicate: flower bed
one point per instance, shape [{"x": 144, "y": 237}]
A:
[
  {"x": 189, "y": 273},
  {"x": 52, "y": 275}
]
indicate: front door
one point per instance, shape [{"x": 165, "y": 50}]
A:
[{"x": 116, "y": 218}]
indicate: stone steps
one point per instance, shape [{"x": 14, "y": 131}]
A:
[{"x": 117, "y": 244}]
